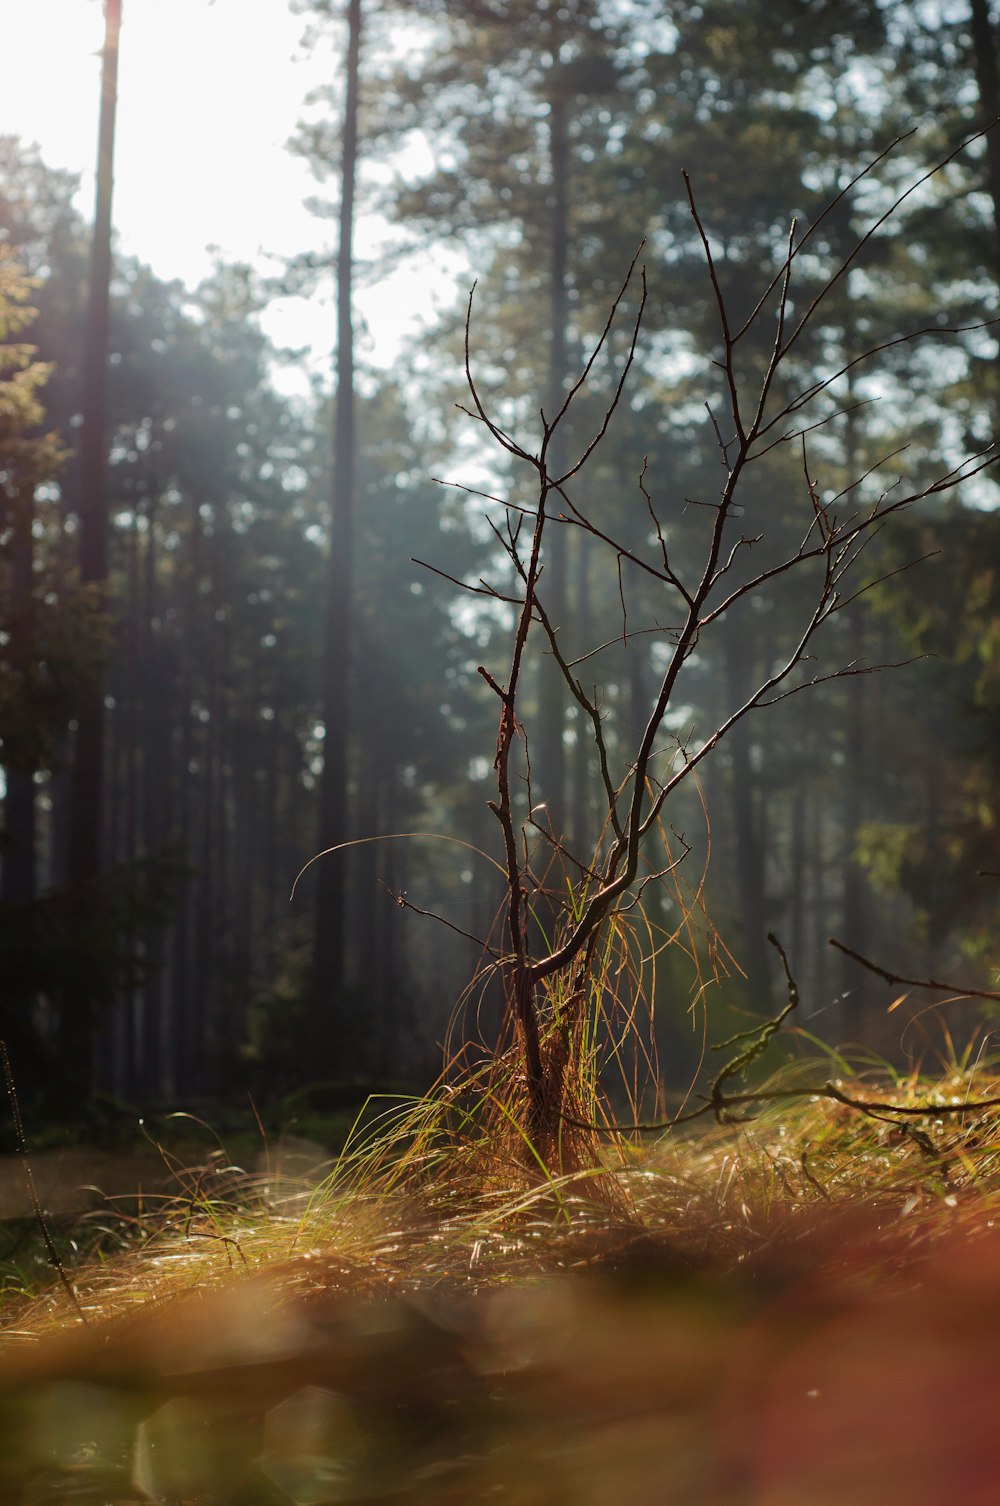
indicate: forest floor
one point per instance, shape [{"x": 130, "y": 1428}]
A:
[{"x": 802, "y": 1311}]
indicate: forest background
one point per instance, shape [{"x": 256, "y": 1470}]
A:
[{"x": 262, "y": 621}]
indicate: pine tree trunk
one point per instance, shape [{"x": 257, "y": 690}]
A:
[
  {"x": 746, "y": 825},
  {"x": 391, "y": 971},
  {"x": 184, "y": 1008},
  {"x": 271, "y": 798},
  {"x": 369, "y": 903},
  {"x": 18, "y": 878},
  {"x": 155, "y": 732},
  {"x": 207, "y": 951},
  {"x": 332, "y": 1036},
  {"x": 18, "y": 864},
  {"x": 984, "y": 47},
  {"x": 78, "y": 1014},
  {"x": 583, "y": 834},
  {"x": 124, "y": 828},
  {"x": 549, "y": 764},
  {"x": 817, "y": 970},
  {"x": 797, "y": 874},
  {"x": 855, "y": 779}
]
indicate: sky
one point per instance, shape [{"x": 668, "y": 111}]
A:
[{"x": 209, "y": 93}]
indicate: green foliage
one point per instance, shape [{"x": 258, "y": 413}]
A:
[
  {"x": 51, "y": 631},
  {"x": 890, "y": 853}
]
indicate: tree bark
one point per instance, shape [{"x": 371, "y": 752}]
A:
[
  {"x": 581, "y": 826},
  {"x": 156, "y": 719},
  {"x": 984, "y": 48},
  {"x": 746, "y": 826},
  {"x": 18, "y": 878},
  {"x": 855, "y": 899},
  {"x": 330, "y": 1026},
  {"x": 18, "y": 865},
  {"x": 77, "y": 1023},
  {"x": 549, "y": 772}
]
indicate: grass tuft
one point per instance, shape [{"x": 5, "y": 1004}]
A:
[
  {"x": 411, "y": 1323},
  {"x": 411, "y": 1203}
]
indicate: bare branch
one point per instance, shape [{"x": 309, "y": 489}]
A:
[
  {"x": 667, "y": 571},
  {"x": 471, "y": 491},
  {"x": 727, "y": 364},
  {"x": 844, "y": 673},
  {"x": 889, "y": 575},
  {"x": 807, "y": 395},
  {"x": 577, "y": 519},
  {"x": 502, "y": 439},
  {"x": 873, "y": 1107},
  {"x": 616, "y": 399},
  {"x": 828, "y": 209},
  {"x": 933, "y": 984},
  {"x": 723, "y": 446},
  {"x": 601, "y": 342},
  {"x": 402, "y": 903},
  {"x": 850, "y": 259},
  {"x": 483, "y": 589},
  {"x": 821, "y": 423},
  {"x": 613, "y": 642},
  {"x": 591, "y": 710}
]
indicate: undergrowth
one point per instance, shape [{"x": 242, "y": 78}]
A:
[
  {"x": 454, "y": 1189},
  {"x": 420, "y": 1323},
  {"x": 407, "y": 1206}
]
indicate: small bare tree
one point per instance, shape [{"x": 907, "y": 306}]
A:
[
  {"x": 560, "y": 947},
  {"x": 546, "y": 983}
]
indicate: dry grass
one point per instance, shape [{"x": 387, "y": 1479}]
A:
[
  {"x": 408, "y": 1208},
  {"x": 409, "y": 1329}
]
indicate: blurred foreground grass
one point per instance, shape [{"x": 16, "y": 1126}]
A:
[{"x": 801, "y": 1311}]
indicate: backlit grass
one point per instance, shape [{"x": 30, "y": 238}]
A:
[
  {"x": 406, "y": 1206},
  {"x": 411, "y": 1324}
]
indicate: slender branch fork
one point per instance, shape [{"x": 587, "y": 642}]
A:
[
  {"x": 730, "y": 1108},
  {"x": 757, "y": 419}
]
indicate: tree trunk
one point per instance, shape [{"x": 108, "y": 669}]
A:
[
  {"x": 369, "y": 903},
  {"x": 185, "y": 1011},
  {"x": 77, "y": 1023},
  {"x": 18, "y": 878},
  {"x": 122, "y": 832},
  {"x": 549, "y": 771},
  {"x": 18, "y": 864},
  {"x": 746, "y": 827},
  {"x": 583, "y": 833},
  {"x": 797, "y": 874},
  {"x": 855, "y": 899},
  {"x": 154, "y": 793},
  {"x": 817, "y": 970},
  {"x": 391, "y": 971},
  {"x": 330, "y": 1032},
  {"x": 984, "y": 47},
  {"x": 207, "y": 946}
]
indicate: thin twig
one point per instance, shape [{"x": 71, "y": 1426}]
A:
[
  {"x": 483, "y": 589},
  {"x": 590, "y": 708},
  {"x": 401, "y": 902},
  {"x": 933, "y": 984},
  {"x": 611, "y": 407},
  {"x": 720, "y": 302},
  {"x": 862, "y": 242},
  {"x": 808, "y": 234}
]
